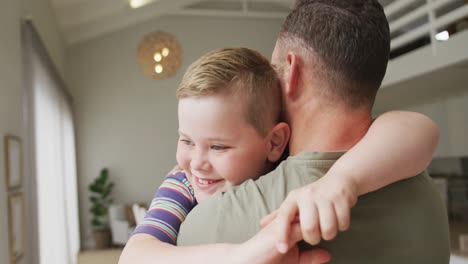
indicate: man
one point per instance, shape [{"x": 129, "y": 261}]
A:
[{"x": 331, "y": 56}]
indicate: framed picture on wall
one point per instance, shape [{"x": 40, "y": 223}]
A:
[
  {"x": 14, "y": 162},
  {"x": 16, "y": 226}
]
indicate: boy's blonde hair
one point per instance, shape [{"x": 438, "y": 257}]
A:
[{"x": 237, "y": 72}]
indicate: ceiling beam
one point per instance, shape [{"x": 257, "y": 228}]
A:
[
  {"x": 83, "y": 12},
  {"x": 92, "y": 18},
  {"x": 59, "y": 4},
  {"x": 285, "y": 3},
  {"x": 224, "y": 13},
  {"x": 123, "y": 18}
]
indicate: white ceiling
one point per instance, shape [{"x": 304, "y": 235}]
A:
[{"x": 81, "y": 20}]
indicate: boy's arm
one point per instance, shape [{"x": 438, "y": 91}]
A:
[
  {"x": 169, "y": 207},
  {"x": 143, "y": 248},
  {"x": 398, "y": 145},
  {"x": 153, "y": 240}
]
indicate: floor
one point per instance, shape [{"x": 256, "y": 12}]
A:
[
  {"x": 111, "y": 256},
  {"x": 108, "y": 256}
]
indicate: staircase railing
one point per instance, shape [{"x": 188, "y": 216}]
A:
[{"x": 436, "y": 15}]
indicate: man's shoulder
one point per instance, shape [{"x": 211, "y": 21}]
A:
[
  {"x": 263, "y": 194},
  {"x": 398, "y": 217},
  {"x": 234, "y": 216},
  {"x": 417, "y": 192}
]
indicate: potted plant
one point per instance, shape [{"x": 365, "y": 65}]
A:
[{"x": 100, "y": 198}]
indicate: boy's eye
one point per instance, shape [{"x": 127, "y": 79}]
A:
[
  {"x": 186, "y": 142},
  {"x": 218, "y": 147}
]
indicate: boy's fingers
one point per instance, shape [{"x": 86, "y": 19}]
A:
[
  {"x": 285, "y": 216},
  {"x": 314, "y": 256},
  {"x": 295, "y": 233},
  {"x": 267, "y": 219},
  {"x": 343, "y": 215},
  {"x": 328, "y": 223},
  {"x": 309, "y": 220}
]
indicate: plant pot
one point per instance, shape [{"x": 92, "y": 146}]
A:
[{"x": 102, "y": 238}]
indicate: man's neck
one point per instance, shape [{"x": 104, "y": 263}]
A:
[{"x": 330, "y": 129}]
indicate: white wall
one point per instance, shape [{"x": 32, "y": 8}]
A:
[
  {"x": 45, "y": 21},
  {"x": 11, "y": 90},
  {"x": 10, "y": 103},
  {"x": 425, "y": 60},
  {"x": 127, "y": 122},
  {"x": 450, "y": 112},
  {"x": 444, "y": 98}
]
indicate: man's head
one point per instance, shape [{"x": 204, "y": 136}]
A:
[
  {"x": 237, "y": 72},
  {"x": 346, "y": 44}
]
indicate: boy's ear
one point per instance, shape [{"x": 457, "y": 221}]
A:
[{"x": 278, "y": 140}]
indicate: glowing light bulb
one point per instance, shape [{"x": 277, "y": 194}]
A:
[
  {"x": 158, "y": 69},
  {"x": 139, "y": 3},
  {"x": 165, "y": 52},
  {"x": 157, "y": 57},
  {"x": 442, "y": 36}
]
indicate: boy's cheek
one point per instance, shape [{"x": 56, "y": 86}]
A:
[{"x": 182, "y": 158}]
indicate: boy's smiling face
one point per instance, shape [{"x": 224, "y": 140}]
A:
[{"x": 217, "y": 147}]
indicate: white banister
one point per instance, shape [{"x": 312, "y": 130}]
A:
[
  {"x": 417, "y": 13},
  {"x": 245, "y": 6},
  {"x": 430, "y": 28},
  {"x": 451, "y": 17},
  {"x": 409, "y": 36},
  {"x": 408, "y": 18},
  {"x": 397, "y": 6}
]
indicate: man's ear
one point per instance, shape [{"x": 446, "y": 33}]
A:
[
  {"x": 292, "y": 74},
  {"x": 278, "y": 139}
]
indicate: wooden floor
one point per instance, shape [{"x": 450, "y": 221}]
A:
[{"x": 108, "y": 256}]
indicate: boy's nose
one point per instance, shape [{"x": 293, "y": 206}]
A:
[{"x": 199, "y": 161}]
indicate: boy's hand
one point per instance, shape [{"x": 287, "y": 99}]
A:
[
  {"x": 314, "y": 256},
  {"x": 261, "y": 249},
  {"x": 322, "y": 208},
  {"x": 176, "y": 168}
]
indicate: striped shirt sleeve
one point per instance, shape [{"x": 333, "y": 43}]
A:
[{"x": 170, "y": 205}]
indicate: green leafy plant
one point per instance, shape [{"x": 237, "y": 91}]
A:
[{"x": 100, "y": 198}]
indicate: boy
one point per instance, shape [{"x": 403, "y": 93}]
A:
[{"x": 231, "y": 130}]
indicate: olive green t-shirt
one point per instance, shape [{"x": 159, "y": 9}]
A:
[{"x": 405, "y": 222}]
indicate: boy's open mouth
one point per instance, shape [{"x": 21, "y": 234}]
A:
[{"x": 206, "y": 182}]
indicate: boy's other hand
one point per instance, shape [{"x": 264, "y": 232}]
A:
[
  {"x": 261, "y": 248},
  {"x": 176, "y": 168},
  {"x": 322, "y": 208}
]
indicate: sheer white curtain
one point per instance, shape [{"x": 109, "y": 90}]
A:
[{"x": 53, "y": 160}]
